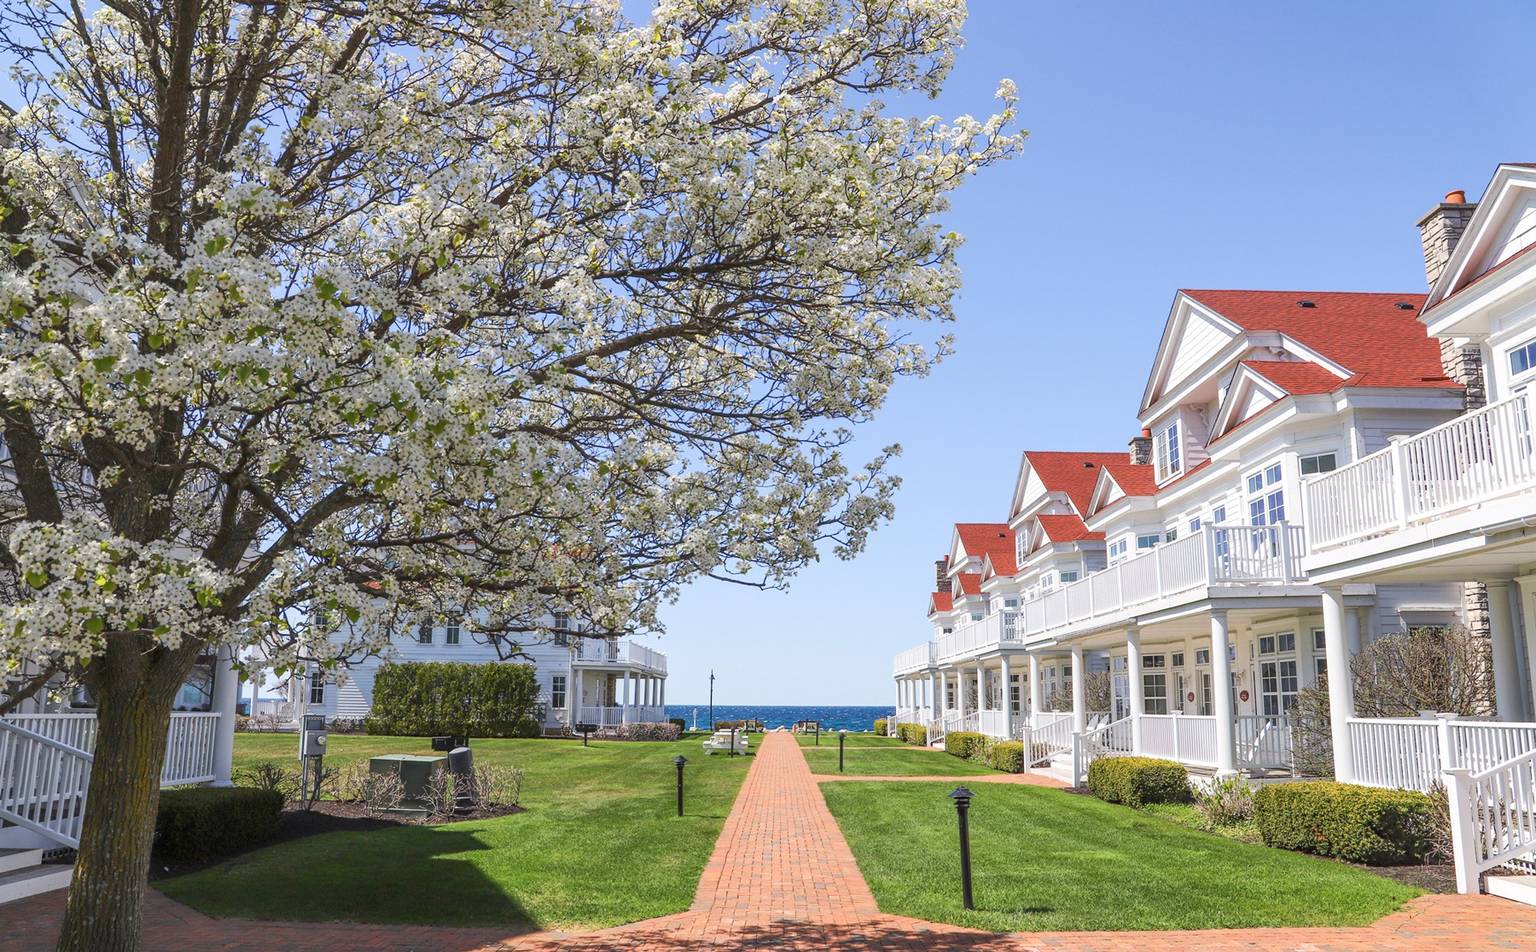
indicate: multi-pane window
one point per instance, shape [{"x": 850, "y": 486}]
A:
[
  {"x": 317, "y": 687},
  {"x": 1194, "y": 525},
  {"x": 1320, "y": 652},
  {"x": 1154, "y": 684},
  {"x": 451, "y": 633},
  {"x": 1266, "y": 502},
  {"x": 1278, "y": 685},
  {"x": 1020, "y": 547},
  {"x": 557, "y": 691},
  {"x": 1178, "y": 659},
  {"x": 1014, "y": 699},
  {"x": 1220, "y": 543},
  {"x": 1202, "y": 656},
  {"x": 1166, "y": 451},
  {"x": 1117, "y": 550},
  {"x": 1522, "y": 358},
  {"x": 1319, "y": 463},
  {"x": 1068, "y": 575},
  {"x": 562, "y": 621},
  {"x": 1148, "y": 541},
  {"x": 424, "y": 633}
]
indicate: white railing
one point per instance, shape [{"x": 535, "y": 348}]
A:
[
  {"x": 597, "y": 650},
  {"x": 76, "y": 730},
  {"x": 1263, "y": 742},
  {"x": 1472, "y": 459},
  {"x": 1111, "y": 740},
  {"x": 1186, "y": 738},
  {"x": 1493, "y": 818},
  {"x": 1413, "y": 752},
  {"x": 42, "y": 783},
  {"x": 936, "y": 730},
  {"x": 975, "y": 637},
  {"x": 1054, "y": 730},
  {"x": 995, "y": 724},
  {"x": 189, "y": 749},
  {"x": 914, "y": 659}
]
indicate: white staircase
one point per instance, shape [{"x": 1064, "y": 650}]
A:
[
  {"x": 23, "y": 873},
  {"x": 1493, "y": 826}
]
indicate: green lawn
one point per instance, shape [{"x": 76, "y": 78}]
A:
[
  {"x": 892, "y": 762},
  {"x": 860, "y": 739},
  {"x": 599, "y": 845},
  {"x": 1048, "y": 860}
]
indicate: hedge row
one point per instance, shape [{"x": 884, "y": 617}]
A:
[
  {"x": 1358, "y": 824},
  {"x": 913, "y": 733},
  {"x": 195, "y": 824},
  {"x": 964, "y": 743},
  {"x": 1135, "y": 781},
  {"x": 880, "y": 726},
  {"x": 427, "y": 698}
]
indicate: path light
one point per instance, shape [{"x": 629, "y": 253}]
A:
[
  {"x": 962, "y": 798},
  {"x": 680, "y": 761},
  {"x": 842, "y": 735}
]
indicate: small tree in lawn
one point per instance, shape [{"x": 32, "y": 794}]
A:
[
  {"x": 353, "y": 315},
  {"x": 1432, "y": 668}
]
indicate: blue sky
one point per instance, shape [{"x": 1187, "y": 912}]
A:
[{"x": 1286, "y": 146}]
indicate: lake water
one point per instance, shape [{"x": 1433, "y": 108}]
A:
[{"x": 832, "y": 717}]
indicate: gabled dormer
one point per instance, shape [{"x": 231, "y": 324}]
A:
[{"x": 1498, "y": 234}]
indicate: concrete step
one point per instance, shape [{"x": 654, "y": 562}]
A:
[
  {"x": 14, "y": 859},
  {"x": 1516, "y": 888},
  {"x": 21, "y": 838},
  {"x": 32, "y": 880}
]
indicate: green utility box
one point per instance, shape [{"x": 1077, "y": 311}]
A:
[{"x": 415, "y": 772}]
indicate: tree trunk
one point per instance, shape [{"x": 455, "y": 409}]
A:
[{"x": 104, "y": 911}]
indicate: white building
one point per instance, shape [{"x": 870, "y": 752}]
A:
[{"x": 1304, "y": 482}]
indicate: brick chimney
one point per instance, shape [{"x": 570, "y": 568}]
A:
[
  {"x": 1141, "y": 449},
  {"x": 941, "y": 575},
  {"x": 1438, "y": 232},
  {"x": 1440, "y": 229}
]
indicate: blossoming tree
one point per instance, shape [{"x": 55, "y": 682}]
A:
[{"x": 360, "y": 310}]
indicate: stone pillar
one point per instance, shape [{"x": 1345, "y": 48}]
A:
[
  {"x": 1134, "y": 685},
  {"x": 1079, "y": 692},
  {"x": 1036, "y": 695},
  {"x": 1506, "y": 657},
  {"x": 1341, "y": 684},
  {"x": 1221, "y": 688},
  {"x": 226, "y": 700}
]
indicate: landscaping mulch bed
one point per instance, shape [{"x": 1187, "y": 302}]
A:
[{"x": 326, "y": 816}]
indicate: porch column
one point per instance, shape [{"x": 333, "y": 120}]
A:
[
  {"x": 661, "y": 695},
  {"x": 575, "y": 693},
  {"x": 1079, "y": 692},
  {"x": 1506, "y": 658},
  {"x": 226, "y": 698},
  {"x": 1221, "y": 686},
  {"x": 629, "y": 696},
  {"x": 1525, "y": 588},
  {"x": 1341, "y": 685},
  {"x": 1007, "y": 676},
  {"x": 935, "y": 699},
  {"x": 1035, "y": 694},
  {"x": 1134, "y": 685},
  {"x": 981, "y": 691}
]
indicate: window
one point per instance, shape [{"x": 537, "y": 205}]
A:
[
  {"x": 1148, "y": 541},
  {"x": 1154, "y": 688},
  {"x": 1068, "y": 575},
  {"x": 1178, "y": 659},
  {"x": 1009, "y": 604},
  {"x": 424, "y": 634},
  {"x": 562, "y": 621},
  {"x": 1202, "y": 656},
  {"x": 1013, "y": 694},
  {"x": 1117, "y": 550},
  {"x": 1278, "y": 686},
  {"x": 1266, "y": 644},
  {"x": 1171, "y": 533},
  {"x": 1020, "y": 548},
  {"x": 1048, "y": 581},
  {"x": 1319, "y": 463},
  {"x": 1286, "y": 642},
  {"x": 1266, "y": 502},
  {"x": 451, "y": 633},
  {"x": 1522, "y": 358},
  {"x": 1194, "y": 524},
  {"x": 317, "y": 687},
  {"x": 557, "y": 691},
  {"x": 1166, "y": 451},
  {"x": 1320, "y": 647},
  {"x": 1221, "y": 544}
]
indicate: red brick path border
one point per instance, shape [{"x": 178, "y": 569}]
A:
[{"x": 783, "y": 877}]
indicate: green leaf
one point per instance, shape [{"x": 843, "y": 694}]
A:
[
  {"x": 37, "y": 578},
  {"x": 105, "y": 363},
  {"x": 95, "y": 625}
]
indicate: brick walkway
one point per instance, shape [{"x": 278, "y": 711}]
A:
[{"x": 782, "y": 877}]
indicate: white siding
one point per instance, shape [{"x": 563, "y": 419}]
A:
[
  {"x": 1520, "y": 235},
  {"x": 1198, "y": 341}
]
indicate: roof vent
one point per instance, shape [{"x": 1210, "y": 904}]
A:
[
  {"x": 1087, "y": 464},
  {"x": 1404, "y": 306},
  {"x": 1306, "y": 304}
]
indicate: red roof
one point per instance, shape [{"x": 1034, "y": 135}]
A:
[
  {"x": 1368, "y": 334},
  {"x": 1004, "y": 563},
  {"x": 982, "y": 539},
  {"x": 1296, "y": 376},
  {"x": 1066, "y": 527},
  {"x": 1134, "y": 479},
  {"x": 1071, "y": 473},
  {"x": 940, "y": 602},
  {"x": 970, "y": 583}
]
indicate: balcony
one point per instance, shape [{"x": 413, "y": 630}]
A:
[
  {"x": 914, "y": 659},
  {"x": 620, "y": 654},
  {"x": 1462, "y": 464}
]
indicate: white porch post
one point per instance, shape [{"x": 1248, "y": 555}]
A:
[
  {"x": 629, "y": 696},
  {"x": 943, "y": 693},
  {"x": 661, "y": 695},
  {"x": 1007, "y": 676},
  {"x": 1341, "y": 687},
  {"x": 981, "y": 691},
  {"x": 1221, "y": 685},
  {"x": 1134, "y": 684},
  {"x": 1525, "y": 589},
  {"x": 1036, "y": 701},
  {"x": 1506, "y": 659},
  {"x": 935, "y": 699},
  {"x": 226, "y": 698},
  {"x": 1079, "y": 692},
  {"x": 575, "y": 692}
]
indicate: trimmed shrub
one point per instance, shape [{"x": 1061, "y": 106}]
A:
[
  {"x": 647, "y": 731},
  {"x": 1359, "y": 824},
  {"x": 1135, "y": 781},
  {"x": 963, "y": 743},
  {"x": 880, "y": 726},
  {"x": 429, "y": 698},
  {"x": 1006, "y": 755},
  {"x": 204, "y": 823},
  {"x": 682, "y": 725},
  {"x": 913, "y": 733}
]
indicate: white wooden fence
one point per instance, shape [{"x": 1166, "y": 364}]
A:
[
  {"x": 42, "y": 783},
  {"x": 1414, "y": 752},
  {"x": 1186, "y": 738},
  {"x": 1474, "y": 458},
  {"x": 1493, "y": 818}
]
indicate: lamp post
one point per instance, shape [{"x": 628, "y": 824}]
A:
[
  {"x": 962, "y": 798},
  {"x": 680, "y": 761},
  {"x": 842, "y": 735}
]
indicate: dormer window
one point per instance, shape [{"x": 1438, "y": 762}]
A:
[{"x": 1165, "y": 451}]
